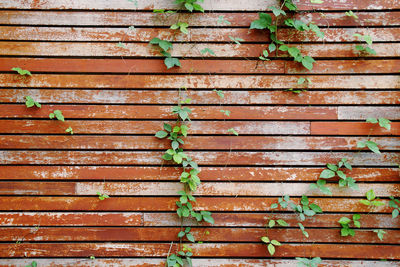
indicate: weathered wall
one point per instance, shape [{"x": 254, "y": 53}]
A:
[{"x": 116, "y": 98}]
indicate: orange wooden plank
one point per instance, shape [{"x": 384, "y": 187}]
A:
[
  {"x": 171, "y": 173},
  {"x": 198, "y": 81},
  {"x": 155, "y": 219},
  {"x": 202, "y": 158},
  {"x": 202, "y": 250},
  {"x": 163, "y": 234},
  {"x": 352, "y": 128},
  {"x": 98, "y": 18},
  {"x": 249, "y": 204},
  {"x": 164, "y": 112},
  {"x": 197, "y": 66},
  {"x": 327, "y": 50},
  {"x": 199, "y": 97},
  {"x": 19, "y": 33},
  {"x": 193, "y": 142},
  {"x": 170, "y": 189},
  {"x": 150, "y": 127},
  {"x": 143, "y": 65},
  {"x": 236, "y": 5}
]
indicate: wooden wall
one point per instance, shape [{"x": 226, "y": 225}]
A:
[{"x": 115, "y": 99}]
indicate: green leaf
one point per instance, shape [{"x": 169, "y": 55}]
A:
[
  {"x": 309, "y": 213},
  {"x": 326, "y": 174},
  {"x": 233, "y": 131},
  {"x": 265, "y": 239},
  {"x": 161, "y": 134},
  {"x": 190, "y": 237},
  {"x": 377, "y": 203},
  {"x": 274, "y": 206},
  {"x": 282, "y": 222},
  {"x": 177, "y": 158},
  {"x": 57, "y": 114},
  {"x": 341, "y": 174},
  {"x": 365, "y": 202},
  {"x": 276, "y": 243},
  {"x": 271, "y": 223},
  {"x": 357, "y": 224},
  {"x": 189, "y": 7},
  {"x": 208, "y": 219},
  {"x": 222, "y": 20},
  {"x": 21, "y": 71},
  {"x": 307, "y": 62},
  {"x": 344, "y": 220},
  {"x": 384, "y": 123},
  {"x": 263, "y": 22},
  {"x": 315, "y": 208},
  {"x": 316, "y": 1},
  {"x": 181, "y": 234},
  {"x": 207, "y": 50},
  {"x": 30, "y": 102},
  {"x": 373, "y": 146},
  {"x": 372, "y": 120},
  {"x": 219, "y": 93},
  {"x": 69, "y": 130},
  {"x": 171, "y": 62},
  {"x": 332, "y": 167},
  {"x": 271, "y": 249},
  {"x": 277, "y": 11},
  {"x": 370, "y": 195},
  {"x": 236, "y": 40},
  {"x": 344, "y": 231},
  {"x": 395, "y": 213}
]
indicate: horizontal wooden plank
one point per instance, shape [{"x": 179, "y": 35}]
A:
[
  {"x": 147, "y": 262},
  {"x": 236, "y": 5},
  {"x": 248, "y": 220},
  {"x": 151, "y": 127},
  {"x": 163, "y": 234},
  {"x": 198, "y": 112},
  {"x": 170, "y": 189},
  {"x": 105, "y": 96},
  {"x": 172, "y": 173},
  {"x": 327, "y": 50},
  {"x": 197, "y": 66},
  {"x": 202, "y": 250},
  {"x": 154, "y": 219},
  {"x": 352, "y": 128},
  {"x": 203, "y": 112},
  {"x": 193, "y": 142},
  {"x": 202, "y": 158},
  {"x": 360, "y": 113},
  {"x": 20, "y": 33},
  {"x": 98, "y": 18},
  {"x": 246, "y": 204},
  {"x": 198, "y": 81}
]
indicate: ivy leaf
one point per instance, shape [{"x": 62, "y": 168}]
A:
[
  {"x": 207, "y": 50},
  {"x": 315, "y": 208},
  {"x": 190, "y": 237},
  {"x": 236, "y": 40},
  {"x": 161, "y": 134},
  {"x": 271, "y": 249},
  {"x": 370, "y": 195},
  {"x": 395, "y": 213},
  {"x": 282, "y": 222},
  {"x": 231, "y": 130},
  {"x": 276, "y": 243},
  {"x": 316, "y": 1},
  {"x": 30, "y": 102},
  {"x": 57, "y": 114},
  {"x": 171, "y": 62},
  {"x": 384, "y": 123},
  {"x": 69, "y": 130},
  {"x": 326, "y": 174},
  {"x": 344, "y": 220},
  {"x": 271, "y": 223},
  {"x": 219, "y": 93},
  {"x": 277, "y": 11},
  {"x": 222, "y": 20},
  {"x": 372, "y": 120},
  {"x": 263, "y": 22},
  {"x": 307, "y": 62},
  {"x": 21, "y": 71}
]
